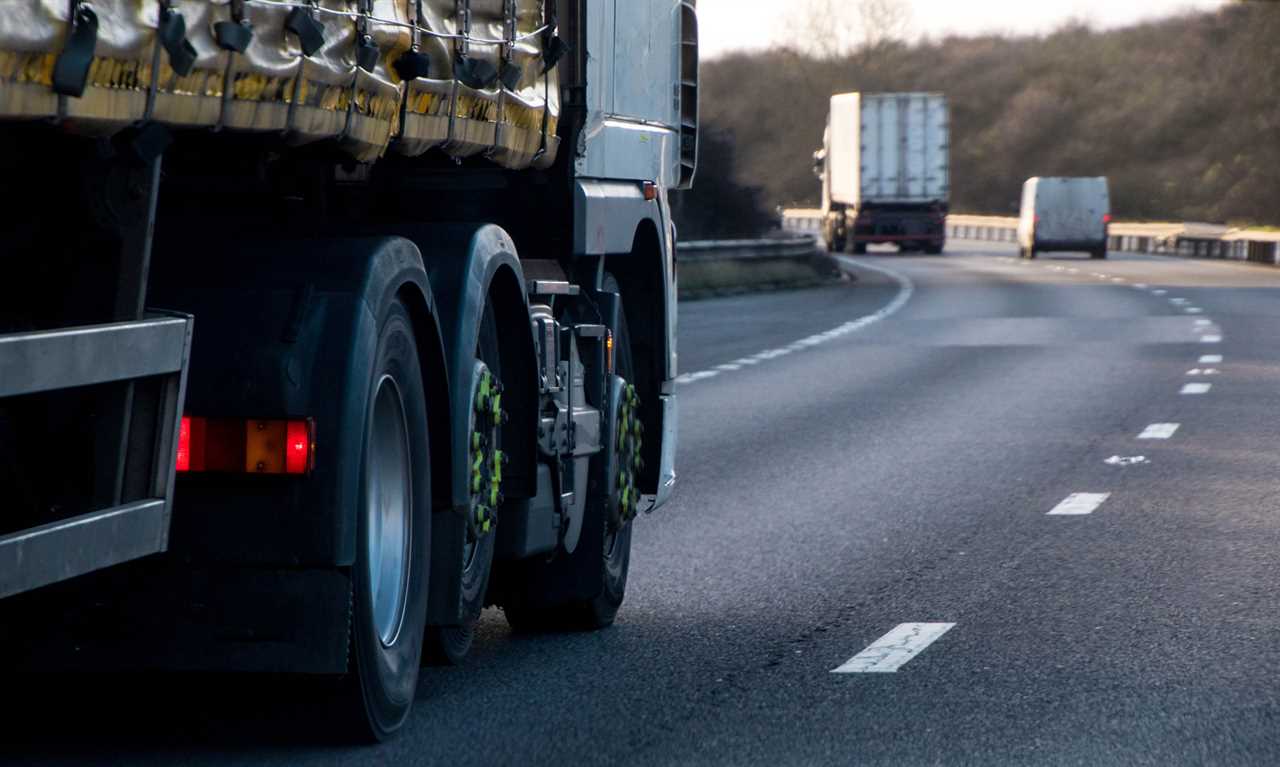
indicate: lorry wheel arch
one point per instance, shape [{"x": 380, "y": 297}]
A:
[{"x": 640, "y": 276}]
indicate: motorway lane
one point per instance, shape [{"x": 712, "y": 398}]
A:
[{"x": 900, "y": 472}]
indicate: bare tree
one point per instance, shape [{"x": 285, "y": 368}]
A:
[{"x": 831, "y": 29}]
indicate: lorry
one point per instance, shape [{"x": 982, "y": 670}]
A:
[
  {"x": 885, "y": 171},
  {"x": 1064, "y": 213},
  {"x": 326, "y": 324}
]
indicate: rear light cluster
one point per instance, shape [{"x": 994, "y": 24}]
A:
[
  {"x": 246, "y": 445},
  {"x": 1106, "y": 218}
]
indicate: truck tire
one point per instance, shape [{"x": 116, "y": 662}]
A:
[
  {"x": 933, "y": 249},
  {"x": 1099, "y": 253},
  {"x": 603, "y": 552},
  {"x": 860, "y": 248},
  {"x": 449, "y": 645},
  {"x": 393, "y": 539}
]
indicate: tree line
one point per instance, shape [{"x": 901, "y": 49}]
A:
[{"x": 1182, "y": 114}]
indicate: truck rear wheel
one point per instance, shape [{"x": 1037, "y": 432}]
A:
[
  {"x": 393, "y": 539},
  {"x": 860, "y": 248},
  {"x": 449, "y": 645}
]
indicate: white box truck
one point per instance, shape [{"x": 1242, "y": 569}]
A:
[
  {"x": 885, "y": 171},
  {"x": 419, "y": 354},
  {"x": 1061, "y": 213}
]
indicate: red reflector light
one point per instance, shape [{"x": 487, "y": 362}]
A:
[
  {"x": 245, "y": 445},
  {"x": 184, "y": 444},
  {"x": 297, "y": 449},
  {"x": 1106, "y": 218}
]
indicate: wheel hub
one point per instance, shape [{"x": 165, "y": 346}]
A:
[
  {"x": 627, "y": 444},
  {"x": 486, "y": 458}
]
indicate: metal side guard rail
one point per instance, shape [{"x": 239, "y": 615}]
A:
[{"x": 42, "y": 361}]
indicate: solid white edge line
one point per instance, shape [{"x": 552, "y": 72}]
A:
[
  {"x": 888, "y": 653},
  {"x": 905, "y": 290},
  {"x": 1159, "y": 431},
  {"x": 1078, "y": 504}
]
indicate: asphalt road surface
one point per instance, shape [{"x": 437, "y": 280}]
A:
[{"x": 932, "y": 479}]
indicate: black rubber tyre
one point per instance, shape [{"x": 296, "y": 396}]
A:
[
  {"x": 449, "y": 645},
  {"x": 933, "y": 250},
  {"x": 860, "y": 248},
  {"x": 1031, "y": 252},
  {"x": 1101, "y": 253},
  {"x": 599, "y": 554},
  {"x": 387, "y": 626}
]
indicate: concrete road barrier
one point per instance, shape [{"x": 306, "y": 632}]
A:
[{"x": 1189, "y": 239}]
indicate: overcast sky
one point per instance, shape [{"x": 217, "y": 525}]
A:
[{"x": 733, "y": 24}]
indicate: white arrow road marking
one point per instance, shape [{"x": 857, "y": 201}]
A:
[
  {"x": 1158, "y": 431},
  {"x": 1211, "y": 359},
  {"x": 1196, "y": 388},
  {"x": 1126, "y": 460},
  {"x": 1079, "y": 503},
  {"x": 889, "y": 652}
]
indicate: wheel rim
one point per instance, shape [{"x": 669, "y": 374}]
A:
[
  {"x": 388, "y": 510},
  {"x": 486, "y": 459},
  {"x": 627, "y": 445}
]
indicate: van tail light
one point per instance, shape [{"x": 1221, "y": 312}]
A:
[
  {"x": 246, "y": 445},
  {"x": 1035, "y": 219},
  {"x": 1106, "y": 218}
]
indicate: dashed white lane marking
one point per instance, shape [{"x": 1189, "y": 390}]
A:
[
  {"x": 1195, "y": 388},
  {"x": 1159, "y": 431},
  {"x": 1202, "y": 372},
  {"x": 1203, "y": 321},
  {"x": 889, "y": 652},
  {"x": 1117, "y": 279},
  {"x": 1211, "y": 359},
  {"x": 1193, "y": 310},
  {"x": 701, "y": 374},
  {"x": 1140, "y": 285},
  {"x": 1210, "y": 339},
  {"x": 1179, "y": 301},
  {"x": 1072, "y": 270},
  {"x": 905, "y": 290},
  {"x": 1126, "y": 460},
  {"x": 1159, "y": 292},
  {"x": 1079, "y": 503}
]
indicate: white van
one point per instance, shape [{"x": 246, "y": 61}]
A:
[{"x": 1064, "y": 214}]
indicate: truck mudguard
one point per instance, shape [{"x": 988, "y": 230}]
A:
[{"x": 288, "y": 329}]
